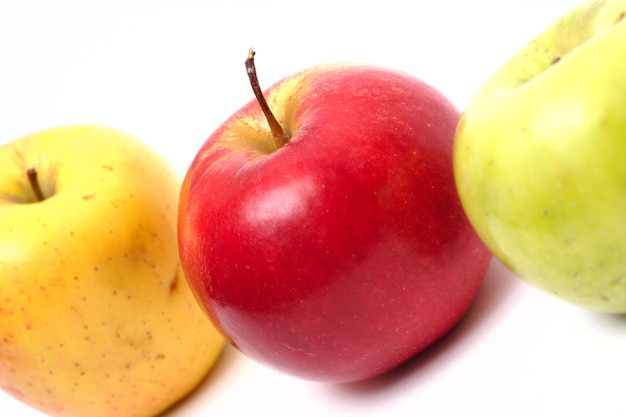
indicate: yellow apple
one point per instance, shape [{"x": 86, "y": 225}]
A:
[{"x": 96, "y": 317}]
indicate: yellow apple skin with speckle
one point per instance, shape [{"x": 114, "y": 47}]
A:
[{"x": 96, "y": 317}]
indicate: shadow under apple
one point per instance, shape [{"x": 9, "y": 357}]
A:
[
  {"x": 614, "y": 322},
  {"x": 499, "y": 287},
  {"x": 223, "y": 365}
]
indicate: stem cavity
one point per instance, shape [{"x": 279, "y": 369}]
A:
[{"x": 280, "y": 138}]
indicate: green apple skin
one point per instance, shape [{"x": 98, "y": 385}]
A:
[{"x": 540, "y": 159}]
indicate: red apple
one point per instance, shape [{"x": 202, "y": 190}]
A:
[{"x": 341, "y": 251}]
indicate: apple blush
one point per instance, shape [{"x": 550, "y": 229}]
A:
[{"x": 320, "y": 227}]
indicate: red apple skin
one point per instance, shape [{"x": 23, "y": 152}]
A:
[{"x": 345, "y": 252}]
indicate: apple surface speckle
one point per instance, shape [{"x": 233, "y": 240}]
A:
[
  {"x": 84, "y": 269},
  {"x": 538, "y": 158}
]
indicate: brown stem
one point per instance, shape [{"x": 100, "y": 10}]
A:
[
  {"x": 34, "y": 184},
  {"x": 280, "y": 138}
]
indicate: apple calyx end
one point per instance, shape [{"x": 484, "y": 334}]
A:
[
  {"x": 34, "y": 184},
  {"x": 280, "y": 138}
]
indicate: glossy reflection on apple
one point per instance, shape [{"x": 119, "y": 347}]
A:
[{"x": 320, "y": 225}]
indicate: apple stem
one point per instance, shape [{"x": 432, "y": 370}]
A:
[
  {"x": 280, "y": 138},
  {"x": 34, "y": 184}
]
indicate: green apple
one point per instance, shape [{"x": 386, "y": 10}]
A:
[
  {"x": 540, "y": 159},
  {"x": 96, "y": 317}
]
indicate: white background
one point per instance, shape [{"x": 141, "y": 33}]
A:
[{"x": 170, "y": 72}]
